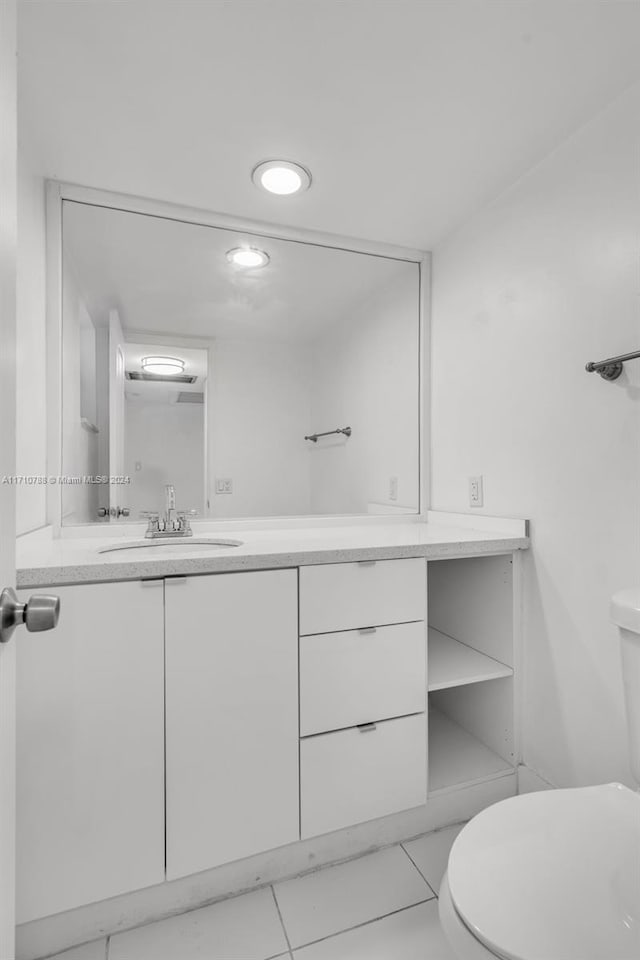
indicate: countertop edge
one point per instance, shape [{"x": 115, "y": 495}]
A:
[{"x": 69, "y": 575}]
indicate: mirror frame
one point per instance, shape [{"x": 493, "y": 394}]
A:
[{"x": 57, "y": 192}]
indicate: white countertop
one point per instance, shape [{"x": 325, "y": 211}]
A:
[{"x": 45, "y": 561}]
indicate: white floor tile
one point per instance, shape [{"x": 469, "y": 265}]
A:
[
  {"x": 340, "y": 897},
  {"x": 96, "y": 950},
  {"x": 243, "y": 928},
  {"x": 431, "y": 852},
  {"x": 413, "y": 934}
]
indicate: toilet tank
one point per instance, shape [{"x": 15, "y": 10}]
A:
[{"x": 625, "y": 613}]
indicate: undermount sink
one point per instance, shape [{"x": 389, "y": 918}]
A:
[{"x": 199, "y": 545}]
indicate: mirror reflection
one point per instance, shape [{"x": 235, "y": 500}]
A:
[{"x": 240, "y": 375}]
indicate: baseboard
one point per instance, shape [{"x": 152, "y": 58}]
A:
[
  {"x": 529, "y": 781},
  {"x": 51, "y": 935}
]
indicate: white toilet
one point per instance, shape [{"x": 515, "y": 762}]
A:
[{"x": 555, "y": 875}]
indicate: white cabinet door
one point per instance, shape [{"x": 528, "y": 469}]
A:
[
  {"x": 232, "y": 717},
  {"x": 90, "y": 749}
]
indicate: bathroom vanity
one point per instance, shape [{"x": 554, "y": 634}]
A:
[
  {"x": 194, "y": 709},
  {"x": 208, "y": 717}
]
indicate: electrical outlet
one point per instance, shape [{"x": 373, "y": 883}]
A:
[
  {"x": 224, "y": 486},
  {"x": 476, "y": 496},
  {"x": 393, "y": 488}
]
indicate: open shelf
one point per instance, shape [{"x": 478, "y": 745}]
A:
[
  {"x": 456, "y": 757},
  {"x": 452, "y": 664}
]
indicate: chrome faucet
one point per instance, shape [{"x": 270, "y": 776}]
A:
[{"x": 174, "y": 523}]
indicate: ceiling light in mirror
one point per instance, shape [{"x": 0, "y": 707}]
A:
[
  {"x": 247, "y": 257},
  {"x": 163, "y": 365},
  {"x": 282, "y": 177}
]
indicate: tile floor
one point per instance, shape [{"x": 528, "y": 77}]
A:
[{"x": 381, "y": 906}]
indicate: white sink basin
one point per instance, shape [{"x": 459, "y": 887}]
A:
[{"x": 178, "y": 545}]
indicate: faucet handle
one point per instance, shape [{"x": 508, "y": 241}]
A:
[
  {"x": 183, "y": 521},
  {"x": 155, "y": 524}
]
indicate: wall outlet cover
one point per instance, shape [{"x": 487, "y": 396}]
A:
[{"x": 224, "y": 485}]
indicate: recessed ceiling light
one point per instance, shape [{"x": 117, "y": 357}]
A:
[
  {"x": 248, "y": 257},
  {"x": 163, "y": 365},
  {"x": 281, "y": 176}
]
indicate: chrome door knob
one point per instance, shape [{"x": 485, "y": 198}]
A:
[{"x": 40, "y": 612}]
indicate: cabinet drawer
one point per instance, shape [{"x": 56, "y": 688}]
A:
[
  {"x": 345, "y": 596},
  {"x": 361, "y": 675},
  {"x": 353, "y": 775}
]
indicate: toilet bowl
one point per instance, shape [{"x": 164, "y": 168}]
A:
[
  {"x": 554, "y": 875},
  {"x": 547, "y": 876}
]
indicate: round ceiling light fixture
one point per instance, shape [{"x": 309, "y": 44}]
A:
[
  {"x": 166, "y": 366},
  {"x": 283, "y": 177},
  {"x": 247, "y": 257}
]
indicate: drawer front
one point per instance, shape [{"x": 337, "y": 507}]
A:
[
  {"x": 352, "y": 776},
  {"x": 345, "y": 596},
  {"x": 361, "y": 675}
]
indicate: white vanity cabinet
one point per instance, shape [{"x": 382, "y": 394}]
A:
[
  {"x": 363, "y": 729},
  {"x": 231, "y": 717},
  {"x": 170, "y": 726},
  {"x": 90, "y": 749}
]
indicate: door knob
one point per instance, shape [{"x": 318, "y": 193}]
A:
[{"x": 40, "y": 612}]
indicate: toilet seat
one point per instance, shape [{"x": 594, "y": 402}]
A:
[
  {"x": 465, "y": 946},
  {"x": 552, "y": 875}
]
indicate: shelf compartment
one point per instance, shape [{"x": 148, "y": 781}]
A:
[
  {"x": 472, "y": 600},
  {"x": 458, "y": 758},
  {"x": 453, "y": 664}
]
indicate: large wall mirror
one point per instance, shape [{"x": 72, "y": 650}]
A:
[{"x": 259, "y": 376}]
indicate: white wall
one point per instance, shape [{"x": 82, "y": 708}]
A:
[
  {"x": 542, "y": 281},
  {"x": 167, "y": 440},
  {"x": 31, "y": 437},
  {"x": 365, "y": 375},
  {"x": 260, "y": 415}
]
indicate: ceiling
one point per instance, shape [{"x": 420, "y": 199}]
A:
[
  {"x": 410, "y": 114},
  {"x": 173, "y": 278}
]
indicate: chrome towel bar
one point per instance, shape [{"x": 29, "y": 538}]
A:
[
  {"x": 612, "y": 368},
  {"x": 314, "y": 436}
]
